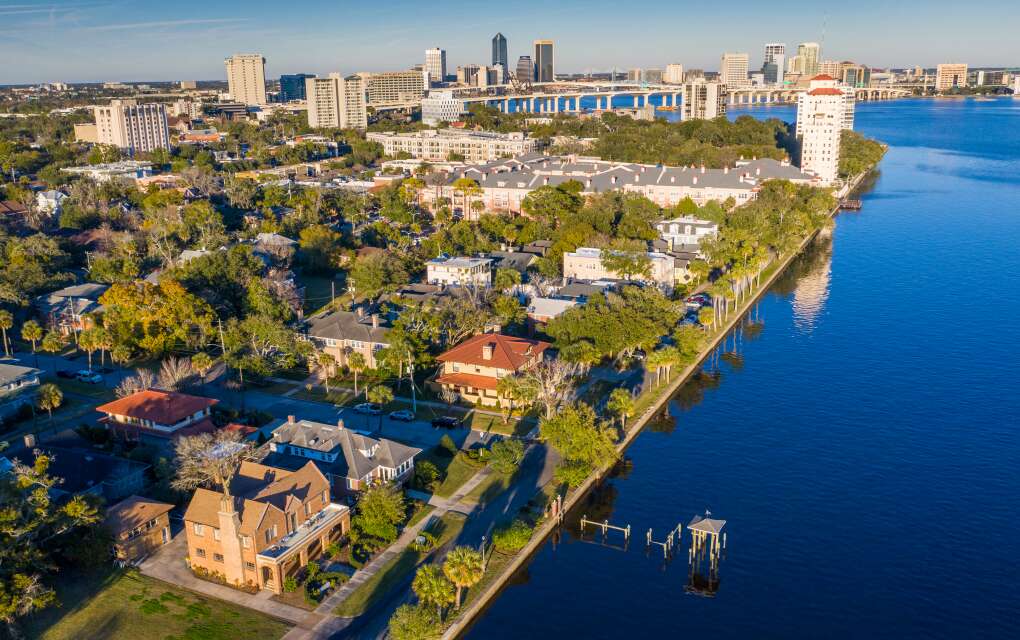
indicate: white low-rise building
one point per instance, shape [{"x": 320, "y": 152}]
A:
[
  {"x": 586, "y": 263},
  {"x": 459, "y": 271},
  {"x": 124, "y": 169},
  {"x": 441, "y": 106},
  {"x": 50, "y": 202},
  {"x": 685, "y": 231},
  {"x": 437, "y": 145}
]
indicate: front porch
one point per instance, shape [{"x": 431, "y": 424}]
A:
[{"x": 274, "y": 564}]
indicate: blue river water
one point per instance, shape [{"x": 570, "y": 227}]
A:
[{"x": 861, "y": 437}]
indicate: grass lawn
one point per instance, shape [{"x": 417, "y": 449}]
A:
[
  {"x": 126, "y": 604},
  {"x": 319, "y": 395},
  {"x": 397, "y": 570},
  {"x": 457, "y": 473},
  {"x": 275, "y": 388},
  {"x": 97, "y": 391},
  {"x": 489, "y": 488},
  {"x": 495, "y": 424}
]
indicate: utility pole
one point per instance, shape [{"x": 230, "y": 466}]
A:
[{"x": 414, "y": 397}]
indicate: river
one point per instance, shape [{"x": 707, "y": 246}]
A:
[{"x": 861, "y": 437}]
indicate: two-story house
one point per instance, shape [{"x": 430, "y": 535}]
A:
[
  {"x": 476, "y": 272},
  {"x": 273, "y": 522},
  {"x": 156, "y": 416},
  {"x": 473, "y": 368},
  {"x": 685, "y": 233},
  {"x": 341, "y": 333},
  {"x": 351, "y": 461},
  {"x": 18, "y": 386},
  {"x": 68, "y": 310}
]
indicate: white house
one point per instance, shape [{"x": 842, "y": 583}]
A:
[
  {"x": 459, "y": 271},
  {"x": 50, "y": 202},
  {"x": 685, "y": 231}
]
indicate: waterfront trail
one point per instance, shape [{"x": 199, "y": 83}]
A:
[{"x": 662, "y": 396}]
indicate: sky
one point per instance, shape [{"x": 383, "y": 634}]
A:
[{"x": 114, "y": 40}]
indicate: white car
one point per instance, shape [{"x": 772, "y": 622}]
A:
[
  {"x": 90, "y": 377},
  {"x": 403, "y": 415},
  {"x": 368, "y": 408}
]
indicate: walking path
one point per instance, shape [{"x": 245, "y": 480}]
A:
[{"x": 321, "y": 623}]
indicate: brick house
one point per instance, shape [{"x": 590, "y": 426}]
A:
[
  {"x": 473, "y": 368},
  {"x": 340, "y": 333},
  {"x": 156, "y": 416},
  {"x": 139, "y": 526},
  {"x": 271, "y": 525}
]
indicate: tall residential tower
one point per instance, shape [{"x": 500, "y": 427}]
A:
[
  {"x": 246, "y": 78},
  {"x": 775, "y": 53},
  {"x": 435, "y": 65},
  {"x": 136, "y": 128},
  {"x": 733, "y": 70}
]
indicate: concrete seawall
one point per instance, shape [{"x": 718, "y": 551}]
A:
[{"x": 664, "y": 394}]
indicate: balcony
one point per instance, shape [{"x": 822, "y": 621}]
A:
[{"x": 308, "y": 531}]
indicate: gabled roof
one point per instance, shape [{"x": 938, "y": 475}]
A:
[
  {"x": 345, "y": 325},
  {"x": 134, "y": 511},
  {"x": 361, "y": 454},
  {"x": 508, "y": 352},
  {"x": 706, "y": 525},
  {"x": 161, "y": 407}
]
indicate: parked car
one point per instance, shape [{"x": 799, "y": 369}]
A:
[
  {"x": 368, "y": 408},
  {"x": 90, "y": 377},
  {"x": 639, "y": 354},
  {"x": 64, "y": 373},
  {"x": 403, "y": 415},
  {"x": 446, "y": 422}
]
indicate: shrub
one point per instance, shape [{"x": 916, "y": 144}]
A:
[
  {"x": 506, "y": 455},
  {"x": 290, "y": 584},
  {"x": 426, "y": 476},
  {"x": 333, "y": 550},
  {"x": 447, "y": 446},
  {"x": 513, "y": 537},
  {"x": 572, "y": 473}
]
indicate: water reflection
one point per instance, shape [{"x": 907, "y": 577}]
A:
[{"x": 812, "y": 289}]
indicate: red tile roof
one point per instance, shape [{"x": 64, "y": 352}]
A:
[
  {"x": 468, "y": 380},
  {"x": 508, "y": 352},
  {"x": 162, "y": 407},
  {"x": 823, "y": 76},
  {"x": 825, "y": 91},
  {"x": 12, "y": 208}
]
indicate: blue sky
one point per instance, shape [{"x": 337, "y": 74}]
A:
[{"x": 97, "y": 40}]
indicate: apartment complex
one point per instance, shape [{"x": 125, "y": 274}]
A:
[
  {"x": 272, "y": 523},
  {"x": 435, "y": 65},
  {"x": 674, "y": 74},
  {"x": 703, "y": 100},
  {"x": 392, "y": 88},
  {"x": 475, "y": 272},
  {"x": 472, "y": 370},
  {"x": 823, "y": 111},
  {"x": 950, "y": 75},
  {"x": 136, "y": 128},
  {"x": 808, "y": 56},
  {"x": 336, "y": 102},
  {"x": 441, "y": 106},
  {"x": 246, "y": 78},
  {"x": 733, "y": 69},
  {"x": 545, "y": 70},
  {"x": 775, "y": 53},
  {"x": 439, "y": 145}
]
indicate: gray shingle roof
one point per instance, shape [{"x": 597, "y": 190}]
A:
[{"x": 346, "y": 325}]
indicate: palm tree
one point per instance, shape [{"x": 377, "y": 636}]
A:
[
  {"x": 49, "y": 398},
  {"x": 508, "y": 387},
  {"x": 326, "y": 364},
  {"x": 621, "y": 404},
  {"x": 356, "y": 363},
  {"x": 706, "y": 317},
  {"x": 463, "y": 567},
  {"x": 6, "y": 322},
  {"x": 31, "y": 331},
  {"x": 53, "y": 343},
  {"x": 467, "y": 188},
  {"x": 380, "y": 395},
  {"x": 88, "y": 341},
  {"x": 432, "y": 588},
  {"x": 202, "y": 362}
]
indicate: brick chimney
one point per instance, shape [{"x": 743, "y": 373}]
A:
[
  {"x": 291, "y": 419},
  {"x": 29, "y": 440},
  {"x": 487, "y": 350},
  {"x": 375, "y": 320}
]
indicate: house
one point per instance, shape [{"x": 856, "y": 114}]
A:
[
  {"x": 18, "y": 386},
  {"x": 121, "y": 170},
  {"x": 542, "y": 310},
  {"x": 459, "y": 271},
  {"x": 581, "y": 291},
  {"x": 139, "y": 526},
  {"x": 517, "y": 260},
  {"x": 84, "y": 470},
  {"x": 50, "y": 202},
  {"x": 273, "y": 522},
  {"x": 274, "y": 247},
  {"x": 685, "y": 231},
  {"x": 586, "y": 264},
  {"x": 351, "y": 460},
  {"x": 156, "y": 416},
  {"x": 67, "y": 310},
  {"x": 340, "y": 333},
  {"x": 473, "y": 368},
  {"x": 539, "y": 247}
]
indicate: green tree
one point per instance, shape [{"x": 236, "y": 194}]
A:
[
  {"x": 6, "y": 322},
  {"x": 507, "y": 279},
  {"x": 49, "y": 398},
  {"x": 506, "y": 455},
  {"x": 621, "y": 405},
  {"x": 320, "y": 247},
  {"x": 414, "y": 623},
  {"x": 32, "y": 331},
  {"x": 374, "y": 273},
  {"x": 202, "y": 362},
  {"x": 379, "y": 512},
  {"x": 356, "y": 363},
  {"x": 574, "y": 434},
  {"x": 464, "y": 568},
  {"x": 513, "y": 537},
  {"x": 89, "y": 341},
  {"x": 432, "y": 588},
  {"x": 382, "y": 396}
]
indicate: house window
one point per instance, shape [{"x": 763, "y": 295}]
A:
[
  {"x": 218, "y": 557},
  {"x": 245, "y": 542},
  {"x": 199, "y": 529},
  {"x": 216, "y": 534},
  {"x": 250, "y": 566},
  {"x": 200, "y": 553}
]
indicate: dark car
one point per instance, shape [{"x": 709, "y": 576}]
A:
[
  {"x": 446, "y": 422},
  {"x": 64, "y": 373}
]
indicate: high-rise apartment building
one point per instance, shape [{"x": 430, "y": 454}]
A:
[
  {"x": 499, "y": 53},
  {"x": 440, "y": 106},
  {"x": 545, "y": 70},
  {"x": 703, "y": 100},
  {"x": 733, "y": 69},
  {"x": 950, "y": 75},
  {"x": 336, "y": 102},
  {"x": 136, "y": 128},
  {"x": 674, "y": 74},
  {"x": 775, "y": 53},
  {"x": 246, "y": 78},
  {"x": 823, "y": 112},
  {"x": 392, "y": 88},
  {"x": 292, "y": 86},
  {"x": 829, "y": 68},
  {"x": 525, "y": 69},
  {"x": 809, "y": 54},
  {"x": 435, "y": 65}
]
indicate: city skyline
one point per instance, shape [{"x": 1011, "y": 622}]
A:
[{"x": 92, "y": 41}]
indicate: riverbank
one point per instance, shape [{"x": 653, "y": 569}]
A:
[{"x": 648, "y": 406}]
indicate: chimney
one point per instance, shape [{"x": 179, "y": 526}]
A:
[
  {"x": 487, "y": 350},
  {"x": 340, "y": 423},
  {"x": 587, "y": 183},
  {"x": 694, "y": 180},
  {"x": 375, "y": 320},
  {"x": 703, "y": 168},
  {"x": 291, "y": 419},
  {"x": 29, "y": 440},
  {"x": 726, "y": 170},
  {"x": 672, "y": 179},
  {"x": 545, "y": 180},
  {"x": 757, "y": 171}
]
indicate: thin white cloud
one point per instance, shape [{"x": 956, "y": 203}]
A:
[{"x": 165, "y": 23}]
